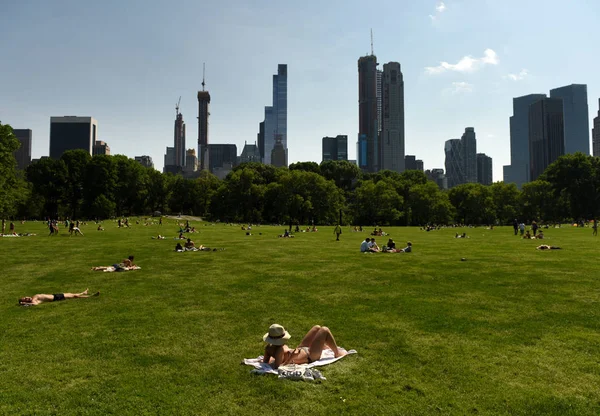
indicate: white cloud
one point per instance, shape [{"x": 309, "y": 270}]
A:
[
  {"x": 440, "y": 8},
  {"x": 466, "y": 64},
  {"x": 461, "y": 87},
  {"x": 518, "y": 77}
]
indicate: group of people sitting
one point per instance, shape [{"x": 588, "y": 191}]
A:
[
  {"x": 286, "y": 234},
  {"x": 463, "y": 235},
  {"x": 378, "y": 233},
  {"x": 529, "y": 236},
  {"x": 370, "y": 246}
]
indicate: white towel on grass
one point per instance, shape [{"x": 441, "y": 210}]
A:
[{"x": 327, "y": 357}]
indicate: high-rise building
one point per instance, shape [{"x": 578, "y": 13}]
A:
[
  {"x": 275, "y": 123},
  {"x": 250, "y": 153},
  {"x": 170, "y": 166},
  {"x": 368, "y": 151},
  {"x": 260, "y": 141},
  {"x": 420, "y": 165},
  {"x": 203, "y": 113},
  {"x": 518, "y": 170},
  {"x": 101, "y": 148},
  {"x": 221, "y": 155},
  {"x": 484, "y": 169},
  {"x": 437, "y": 176},
  {"x": 23, "y": 153},
  {"x": 575, "y": 116},
  {"x": 379, "y": 101},
  {"x": 191, "y": 161},
  {"x": 469, "y": 149},
  {"x": 596, "y": 133},
  {"x": 335, "y": 148},
  {"x": 546, "y": 134},
  {"x": 179, "y": 139},
  {"x": 454, "y": 163},
  {"x": 278, "y": 155},
  {"x": 70, "y": 133},
  {"x": 145, "y": 161},
  {"x": 392, "y": 133}
]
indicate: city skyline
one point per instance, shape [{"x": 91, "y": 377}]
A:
[{"x": 138, "y": 72}]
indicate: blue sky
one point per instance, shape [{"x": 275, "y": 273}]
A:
[{"x": 127, "y": 62}]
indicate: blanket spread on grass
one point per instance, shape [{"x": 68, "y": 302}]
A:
[
  {"x": 120, "y": 269},
  {"x": 295, "y": 371}
]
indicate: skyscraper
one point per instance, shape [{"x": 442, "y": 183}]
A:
[
  {"x": 335, "y": 148},
  {"x": 596, "y": 133},
  {"x": 191, "y": 161},
  {"x": 518, "y": 170},
  {"x": 437, "y": 176},
  {"x": 454, "y": 163},
  {"x": 392, "y": 133},
  {"x": 100, "y": 148},
  {"x": 469, "y": 154},
  {"x": 412, "y": 163},
  {"x": 179, "y": 139},
  {"x": 250, "y": 153},
  {"x": 203, "y": 113},
  {"x": 221, "y": 155},
  {"x": 484, "y": 169},
  {"x": 145, "y": 161},
  {"x": 278, "y": 157},
  {"x": 576, "y": 117},
  {"x": 546, "y": 134},
  {"x": 368, "y": 151},
  {"x": 70, "y": 133},
  {"x": 23, "y": 153},
  {"x": 169, "y": 165},
  {"x": 275, "y": 123}
]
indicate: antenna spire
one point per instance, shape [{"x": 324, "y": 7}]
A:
[
  {"x": 203, "y": 74},
  {"x": 372, "y": 42},
  {"x": 177, "y": 106}
]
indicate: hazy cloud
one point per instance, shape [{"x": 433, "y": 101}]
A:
[
  {"x": 461, "y": 87},
  {"x": 518, "y": 77},
  {"x": 466, "y": 64},
  {"x": 439, "y": 9}
]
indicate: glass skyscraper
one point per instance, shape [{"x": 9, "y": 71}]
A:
[
  {"x": 392, "y": 132},
  {"x": 71, "y": 132},
  {"x": 275, "y": 123},
  {"x": 596, "y": 133},
  {"x": 368, "y": 125},
  {"x": 576, "y": 117},
  {"x": 518, "y": 170},
  {"x": 546, "y": 134}
]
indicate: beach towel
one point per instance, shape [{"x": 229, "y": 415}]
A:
[
  {"x": 120, "y": 269},
  {"x": 304, "y": 372}
]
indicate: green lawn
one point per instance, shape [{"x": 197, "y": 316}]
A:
[{"x": 511, "y": 330}]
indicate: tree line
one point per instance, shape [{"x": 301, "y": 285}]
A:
[{"x": 81, "y": 186}]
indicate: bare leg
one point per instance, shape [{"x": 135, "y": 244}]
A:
[
  {"x": 309, "y": 337},
  {"x": 83, "y": 294},
  {"x": 322, "y": 338}
]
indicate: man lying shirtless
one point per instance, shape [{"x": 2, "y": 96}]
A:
[{"x": 42, "y": 298}]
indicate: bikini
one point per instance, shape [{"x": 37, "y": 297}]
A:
[{"x": 307, "y": 351}]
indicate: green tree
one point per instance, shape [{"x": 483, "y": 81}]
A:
[
  {"x": 344, "y": 174},
  {"x": 48, "y": 178},
  {"x": 428, "y": 204},
  {"x": 9, "y": 185},
  {"x": 473, "y": 203},
  {"x": 306, "y": 167},
  {"x": 72, "y": 193},
  {"x": 377, "y": 203},
  {"x": 506, "y": 198}
]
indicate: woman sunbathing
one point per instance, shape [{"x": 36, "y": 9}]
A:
[
  {"x": 124, "y": 265},
  {"x": 42, "y": 298},
  {"x": 277, "y": 353}
]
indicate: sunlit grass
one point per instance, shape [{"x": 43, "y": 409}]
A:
[{"x": 511, "y": 330}]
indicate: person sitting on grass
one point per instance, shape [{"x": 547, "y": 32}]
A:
[
  {"x": 407, "y": 249},
  {"x": 365, "y": 246},
  {"x": 100, "y": 227},
  {"x": 527, "y": 235},
  {"x": 286, "y": 234},
  {"x": 277, "y": 353},
  {"x": 390, "y": 246},
  {"x": 546, "y": 247},
  {"x": 540, "y": 235},
  {"x": 373, "y": 246},
  {"x": 43, "y": 298},
  {"x": 189, "y": 244}
]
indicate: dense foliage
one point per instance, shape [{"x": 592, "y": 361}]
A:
[{"x": 78, "y": 185}]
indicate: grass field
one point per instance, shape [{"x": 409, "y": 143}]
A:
[{"x": 511, "y": 330}]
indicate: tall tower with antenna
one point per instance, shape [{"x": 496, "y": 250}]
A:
[
  {"x": 203, "y": 114},
  {"x": 179, "y": 137},
  {"x": 369, "y": 110}
]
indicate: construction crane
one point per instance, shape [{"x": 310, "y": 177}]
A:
[{"x": 177, "y": 106}]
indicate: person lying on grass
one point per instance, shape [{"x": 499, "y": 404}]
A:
[
  {"x": 277, "y": 353},
  {"x": 42, "y": 298},
  {"x": 546, "y": 247},
  {"x": 124, "y": 265}
]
